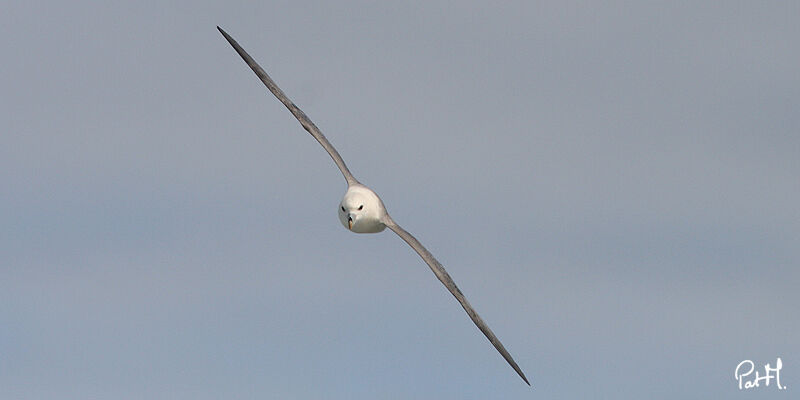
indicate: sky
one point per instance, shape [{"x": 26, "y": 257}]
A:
[{"x": 613, "y": 186}]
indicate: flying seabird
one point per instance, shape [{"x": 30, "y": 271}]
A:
[{"x": 362, "y": 211}]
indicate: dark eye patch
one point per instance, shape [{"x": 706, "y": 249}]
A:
[{"x": 361, "y": 207}]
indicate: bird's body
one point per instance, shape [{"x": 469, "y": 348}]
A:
[{"x": 362, "y": 211}]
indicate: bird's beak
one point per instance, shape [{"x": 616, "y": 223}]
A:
[{"x": 350, "y": 222}]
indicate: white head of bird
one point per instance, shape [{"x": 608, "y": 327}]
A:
[{"x": 361, "y": 210}]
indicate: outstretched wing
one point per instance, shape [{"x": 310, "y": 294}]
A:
[
  {"x": 445, "y": 278},
  {"x": 296, "y": 111}
]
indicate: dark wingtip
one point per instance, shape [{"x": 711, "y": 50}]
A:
[
  {"x": 225, "y": 34},
  {"x": 519, "y": 372}
]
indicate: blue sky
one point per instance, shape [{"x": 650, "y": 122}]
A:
[{"x": 614, "y": 187}]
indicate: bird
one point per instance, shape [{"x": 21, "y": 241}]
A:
[{"x": 362, "y": 211}]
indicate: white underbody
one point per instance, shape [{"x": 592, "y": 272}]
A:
[{"x": 361, "y": 210}]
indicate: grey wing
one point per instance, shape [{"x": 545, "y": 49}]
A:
[
  {"x": 445, "y": 278},
  {"x": 296, "y": 111}
]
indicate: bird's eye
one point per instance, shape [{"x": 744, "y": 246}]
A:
[
  {"x": 342, "y": 208},
  {"x": 361, "y": 207}
]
